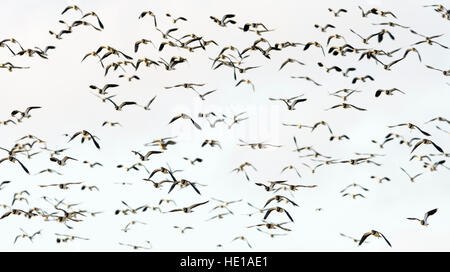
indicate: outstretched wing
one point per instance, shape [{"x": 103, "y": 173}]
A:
[
  {"x": 355, "y": 107},
  {"x": 268, "y": 201},
  {"x": 385, "y": 239},
  {"x": 198, "y": 204},
  {"x": 430, "y": 213},
  {"x": 437, "y": 147},
  {"x": 93, "y": 139},
  {"x": 267, "y": 213},
  {"x": 195, "y": 124},
  {"x": 151, "y": 101},
  {"x": 298, "y": 101},
  {"x": 195, "y": 188},
  {"x": 23, "y": 166},
  {"x": 290, "y": 217},
  {"x": 416, "y": 146},
  {"x": 364, "y": 237},
  {"x": 423, "y": 132},
  {"x": 175, "y": 118}
]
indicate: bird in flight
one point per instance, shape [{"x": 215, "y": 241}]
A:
[
  {"x": 102, "y": 91},
  {"x": 375, "y": 234},
  {"x": 290, "y": 102},
  {"x": 242, "y": 238},
  {"x": 353, "y": 196},
  {"x": 280, "y": 198},
  {"x": 411, "y": 126},
  {"x": 324, "y": 29},
  {"x": 86, "y": 135},
  {"x": 123, "y": 104},
  {"x": 279, "y": 210},
  {"x": 428, "y": 39},
  {"x": 226, "y": 19},
  {"x": 147, "y": 155},
  {"x": 411, "y": 178},
  {"x": 149, "y": 13},
  {"x": 444, "y": 72},
  {"x": 346, "y": 106},
  {"x": 424, "y": 221},
  {"x": 354, "y": 185},
  {"x": 186, "y": 117},
  {"x": 315, "y": 44},
  {"x": 336, "y": 13},
  {"x": 190, "y": 208},
  {"x": 147, "y": 107},
  {"x": 246, "y": 81},
  {"x": 427, "y": 142},
  {"x": 289, "y": 60},
  {"x": 23, "y": 114},
  {"x": 74, "y": 7},
  {"x": 387, "y": 92},
  {"x": 25, "y": 235}
]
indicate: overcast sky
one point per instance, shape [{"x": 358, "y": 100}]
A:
[{"x": 60, "y": 85}]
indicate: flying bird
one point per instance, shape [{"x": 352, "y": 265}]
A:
[
  {"x": 103, "y": 90},
  {"x": 427, "y": 142},
  {"x": 424, "y": 221},
  {"x": 290, "y": 102},
  {"x": 85, "y": 135},
  {"x": 246, "y": 81},
  {"x": 123, "y": 104},
  {"x": 147, "y": 155},
  {"x": 279, "y": 210},
  {"x": 289, "y": 60},
  {"x": 186, "y": 117},
  {"x": 149, "y": 13},
  {"x": 387, "y": 92},
  {"x": 226, "y": 19},
  {"x": 374, "y": 233},
  {"x": 190, "y": 208},
  {"x": 23, "y": 114},
  {"x": 336, "y": 13},
  {"x": 346, "y": 106}
]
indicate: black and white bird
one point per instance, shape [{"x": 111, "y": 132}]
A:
[
  {"x": 374, "y": 233},
  {"x": 424, "y": 221},
  {"x": 186, "y": 117}
]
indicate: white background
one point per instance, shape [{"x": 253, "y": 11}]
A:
[{"x": 60, "y": 86}]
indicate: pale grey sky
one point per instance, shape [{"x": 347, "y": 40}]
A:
[{"x": 61, "y": 86}]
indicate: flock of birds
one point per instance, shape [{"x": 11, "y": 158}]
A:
[{"x": 232, "y": 59}]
